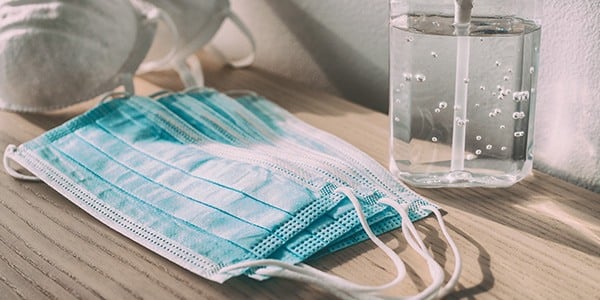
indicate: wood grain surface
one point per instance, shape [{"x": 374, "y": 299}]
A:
[{"x": 539, "y": 239}]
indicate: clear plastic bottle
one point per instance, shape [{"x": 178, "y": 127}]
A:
[{"x": 462, "y": 95}]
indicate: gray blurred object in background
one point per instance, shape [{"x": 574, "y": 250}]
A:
[
  {"x": 195, "y": 22},
  {"x": 57, "y": 53}
]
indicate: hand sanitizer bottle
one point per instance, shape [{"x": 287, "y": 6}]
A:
[{"x": 463, "y": 79}]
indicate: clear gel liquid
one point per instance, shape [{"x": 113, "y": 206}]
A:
[{"x": 500, "y": 104}]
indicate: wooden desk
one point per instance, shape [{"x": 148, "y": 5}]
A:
[{"x": 539, "y": 239}]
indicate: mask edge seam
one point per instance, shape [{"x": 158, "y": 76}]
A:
[{"x": 195, "y": 262}]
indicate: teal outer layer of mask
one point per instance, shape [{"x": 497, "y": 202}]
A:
[{"x": 210, "y": 182}]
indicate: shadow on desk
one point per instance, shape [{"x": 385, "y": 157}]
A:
[
  {"x": 552, "y": 212},
  {"x": 535, "y": 240},
  {"x": 367, "y": 257},
  {"x": 264, "y": 83}
]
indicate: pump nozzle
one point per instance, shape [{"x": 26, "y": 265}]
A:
[
  {"x": 462, "y": 21},
  {"x": 462, "y": 11}
]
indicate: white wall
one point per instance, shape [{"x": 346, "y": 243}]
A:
[{"x": 341, "y": 46}]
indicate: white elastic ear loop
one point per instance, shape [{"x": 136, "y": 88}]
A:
[
  {"x": 411, "y": 233},
  {"x": 240, "y": 93},
  {"x": 307, "y": 273},
  {"x": 457, "y": 258},
  {"x": 153, "y": 13},
  {"x": 8, "y": 152},
  {"x": 127, "y": 82},
  {"x": 167, "y": 58},
  {"x": 248, "y": 59},
  {"x": 108, "y": 96},
  {"x": 336, "y": 284},
  {"x": 189, "y": 71}
]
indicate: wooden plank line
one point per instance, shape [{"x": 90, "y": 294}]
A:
[
  {"x": 29, "y": 266},
  {"x": 11, "y": 286},
  {"x": 105, "y": 250},
  {"x": 129, "y": 249},
  {"x": 49, "y": 262},
  {"x": 37, "y": 267},
  {"x": 26, "y": 277},
  {"x": 513, "y": 215},
  {"x": 69, "y": 252}
]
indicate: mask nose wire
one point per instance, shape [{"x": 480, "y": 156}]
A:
[{"x": 8, "y": 153}]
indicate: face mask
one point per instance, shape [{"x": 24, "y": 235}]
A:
[
  {"x": 146, "y": 173},
  {"x": 203, "y": 186},
  {"x": 224, "y": 118},
  {"x": 357, "y": 170},
  {"x": 57, "y": 53},
  {"x": 194, "y": 24},
  {"x": 285, "y": 129}
]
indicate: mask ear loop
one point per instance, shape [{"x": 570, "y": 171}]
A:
[
  {"x": 8, "y": 153},
  {"x": 248, "y": 59},
  {"x": 411, "y": 235},
  {"x": 190, "y": 71},
  {"x": 457, "y": 258},
  {"x": 157, "y": 13},
  {"x": 152, "y": 14},
  {"x": 350, "y": 290},
  {"x": 108, "y": 96},
  {"x": 240, "y": 93},
  {"x": 309, "y": 274},
  {"x": 418, "y": 245}
]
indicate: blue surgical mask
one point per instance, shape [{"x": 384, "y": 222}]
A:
[
  {"x": 361, "y": 171},
  {"x": 223, "y": 118},
  {"x": 222, "y": 186}
]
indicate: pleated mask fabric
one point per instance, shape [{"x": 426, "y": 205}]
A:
[
  {"x": 258, "y": 119},
  {"x": 223, "y": 117},
  {"x": 224, "y": 187},
  {"x": 143, "y": 171}
]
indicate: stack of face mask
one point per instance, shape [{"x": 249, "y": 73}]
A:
[{"x": 225, "y": 187}]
